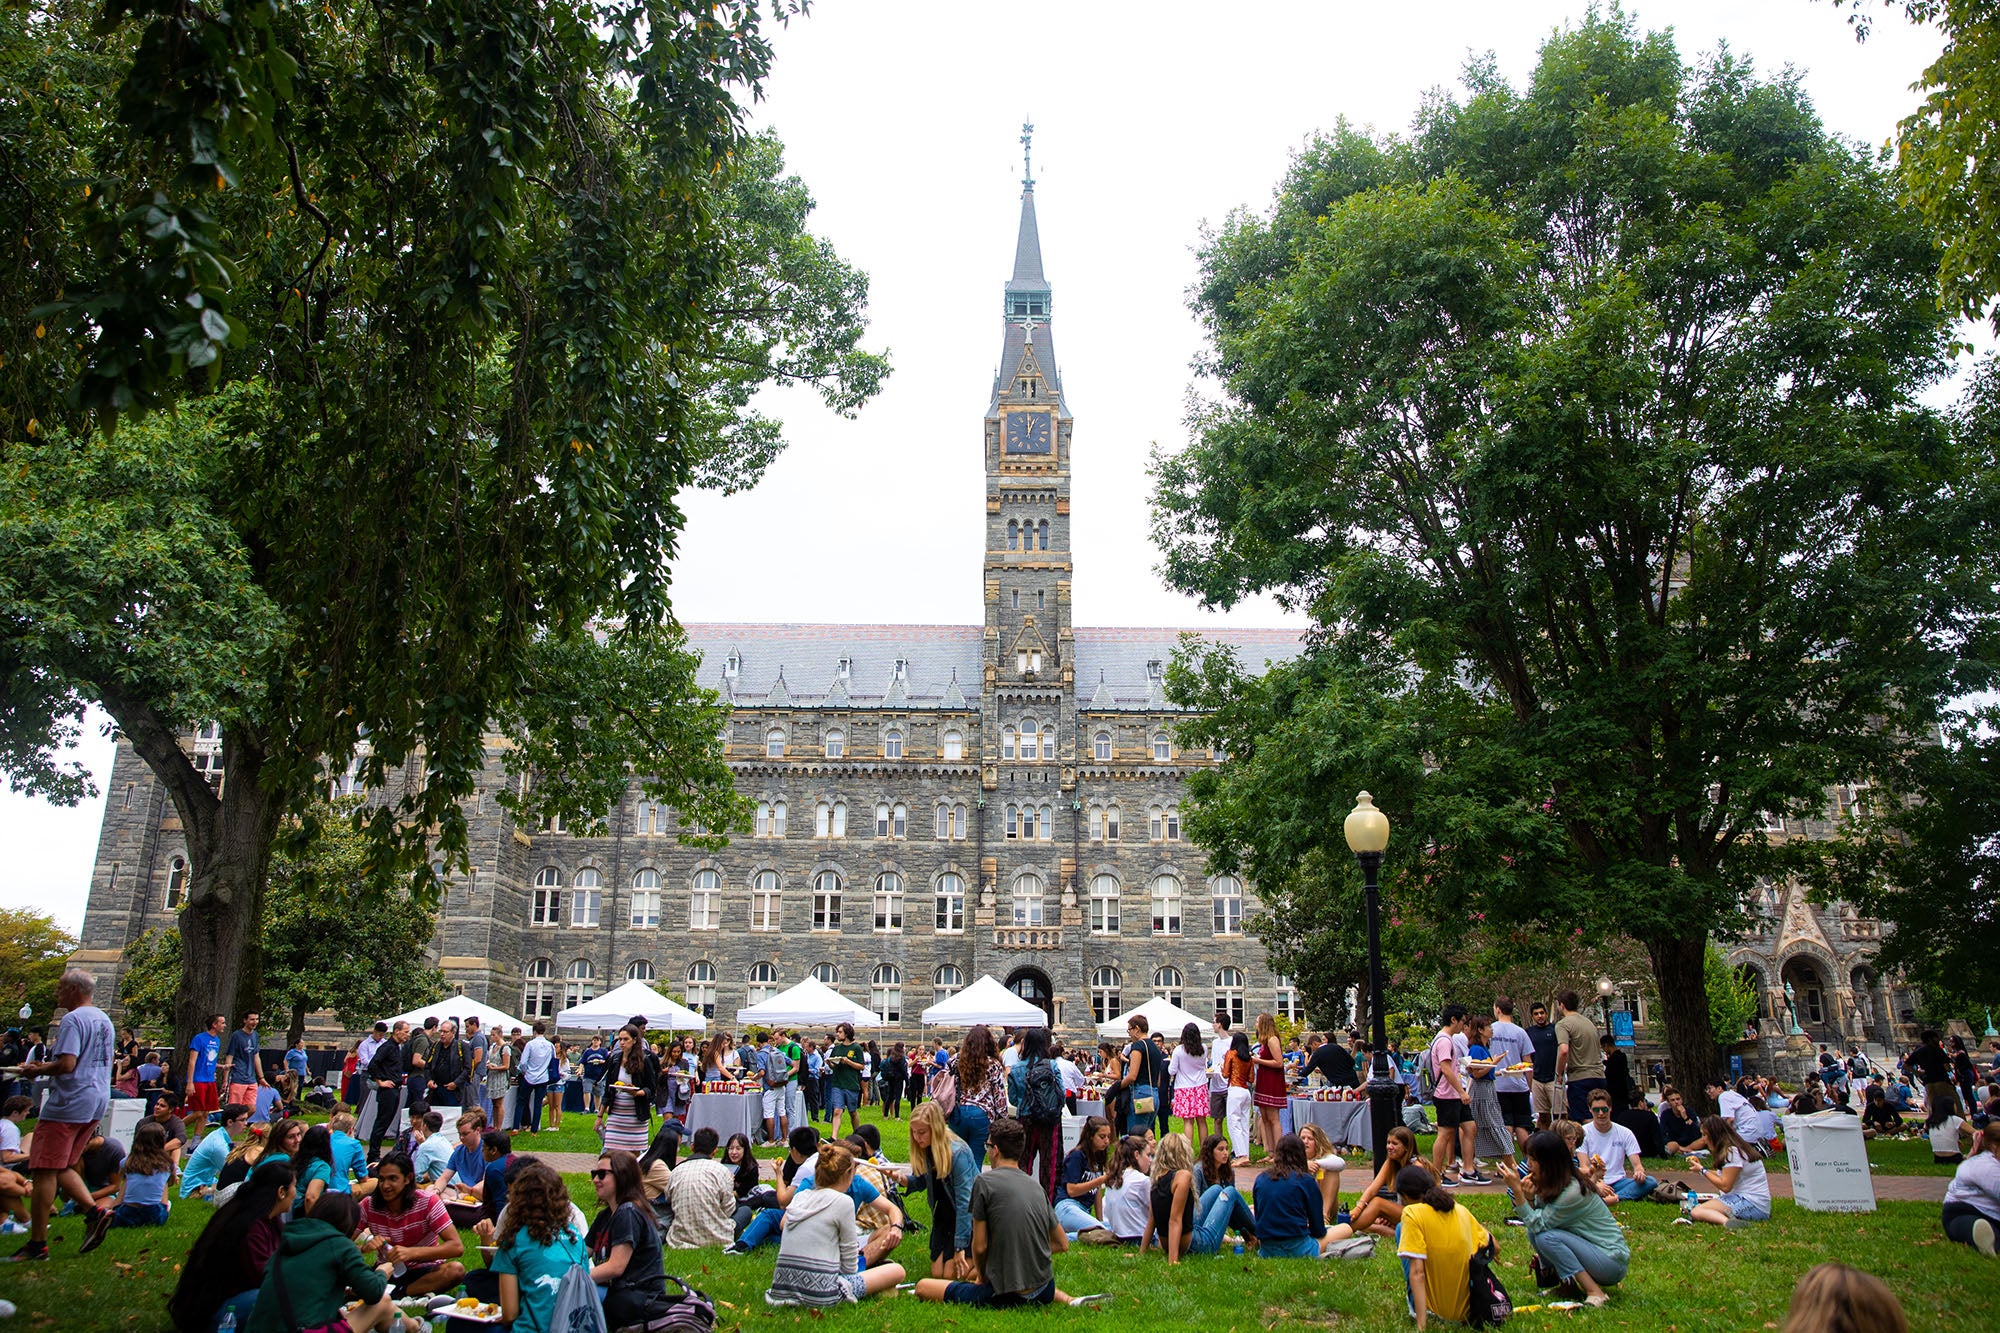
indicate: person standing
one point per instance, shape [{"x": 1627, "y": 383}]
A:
[
  {"x": 1452, "y": 1100},
  {"x": 78, "y": 1068},
  {"x": 895, "y": 1074},
  {"x": 1510, "y": 1045},
  {"x": 242, "y": 1065},
  {"x": 774, "y": 1072},
  {"x": 1617, "y": 1071},
  {"x": 845, "y": 1062},
  {"x": 450, "y": 1071},
  {"x": 384, "y": 1080},
  {"x": 499, "y": 1076},
  {"x": 1542, "y": 1081},
  {"x": 204, "y": 1050},
  {"x": 417, "y": 1062},
  {"x": 596, "y": 1059},
  {"x": 1267, "y": 1090},
  {"x": 1035, "y": 1088},
  {"x": 1218, "y": 1085},
  {"x": 795, "y": 1086},
  {"x": 1933, "y": 1067},
  {"x": 1579, "y": 1057},
  {"x": 298, "y": 1062},
  {"x": 537, "y": 1057},
  {"x": 476, "y": 1041},
  {"x": 1332, "y": 1062}
]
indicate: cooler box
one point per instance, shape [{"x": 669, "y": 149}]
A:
[
  {"x": 1829, "y": 1163},
  {"x": 123, "y": 1118}
]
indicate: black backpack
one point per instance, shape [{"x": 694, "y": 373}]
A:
[
  {"x": 1042, "y": 1097},
  {"x": 1490, "y": 1303}
]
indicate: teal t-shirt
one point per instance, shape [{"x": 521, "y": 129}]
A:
[
  {"x": 539, "y": 1269},
  {"x": 313, "y": 1170}
]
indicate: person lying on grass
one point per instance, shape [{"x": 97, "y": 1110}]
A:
[{"x": 1015, "y": 1236}]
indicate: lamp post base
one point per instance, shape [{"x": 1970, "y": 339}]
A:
[{"x": 1385, "y": 1112}]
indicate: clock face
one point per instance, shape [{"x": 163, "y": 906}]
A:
[{"x": 1028, "y": 433}]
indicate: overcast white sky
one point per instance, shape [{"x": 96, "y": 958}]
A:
[{"x": 1150, "y": 120}]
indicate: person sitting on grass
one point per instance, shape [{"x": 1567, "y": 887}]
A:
[
  {"x": 701, "y": 1197},
  {"x": 413, "y": 1228},
  {"x": 141, "y": 1200},
  {"x": 1326, "y": 1166},
  {"x": 350, "y": 1156},
  {"x": 1380, "y": 1208},
  {"x": 535, "y": 1247},
  {"x": 1948, "y": 1132},
  {"x": 433, "y": 1154},
  {"x": 163, "y": 1114},
  {"x": 1833, "y": 1298},
  {"x": 1128, "y": 1189},
  {"x": 878, "y": 1243},
  {"x": 1085, "y": 1170},
  {"x": 1015, "y": 1237},
  {"x": 1574, "y": 1236},
  {"x": 316, "y": 1264},
  {"x": 1187, "y": 1221},
  {"x": 624, "y": 1245},
  {"x": 226, "y": 1265},
  {"x": 1677, "y": 1126},
  {"x": 741, "y": 1159},
  {"x": 15, "y": 1185},
  {"x": 942, "y": 1166},
  {"x": 1291, "y": 1215},
  {"x": 313, "y": 1165},
  {"x": 1436, "y": 1243},
  {"x": 1739, "y": 1175},
  {"x": 1614, "y": 1153},
  {"x": 1877, "y": 1116},
  {"x": 1972, "y": 1200},
  {"x": 819, "y": 1253}
]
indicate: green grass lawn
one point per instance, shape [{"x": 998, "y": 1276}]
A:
[{"x": 1700, "y": 1278}]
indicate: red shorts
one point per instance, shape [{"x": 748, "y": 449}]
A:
[
  {"x": 57, "y": 1145},
  {"x": 243, "y": 1094},
  {"x": 201, "y": 1099}
]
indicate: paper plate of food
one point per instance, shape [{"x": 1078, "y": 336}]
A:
[{"x": 472, "y": 1308}]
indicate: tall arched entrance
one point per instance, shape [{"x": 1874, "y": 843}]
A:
[{"x": 1033, "y": 985}]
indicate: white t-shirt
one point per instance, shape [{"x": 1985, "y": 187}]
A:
[
  {"x": 1977, "y": 1183},
  {"x": 10, "y": 1136},
  {"x": 1128, "y": 1208},
  {"x": 1010, "y": 1056},
  {"x": 1614, "y": 1145},
  {"x": 1189, "y": 1071},
  {"x": 1944, "y": 1136},
  {"x": 1753, "y": 1183},
  {"x": 1736, "y": 1108},
  {"x": 1072, "y": 1077},
  {"x": 1218, "y": 1051}
]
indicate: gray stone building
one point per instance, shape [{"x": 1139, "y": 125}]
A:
[{"x": 933, "y": 802}]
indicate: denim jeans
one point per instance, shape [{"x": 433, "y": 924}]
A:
[
  {"x": 1074, "y": 1217},
  {"x": 528, "y": 1105},
  {"x": 972, "y": 1124},
  {"x": 139, "y": 1215},
  {"x": 1137, "y": 1121},
  {"x": 1220, "y": 1207},
  {"x": 1629, "y": 1189},
  {"x": 1294, "y": 1247},
  {"x": 1570, "y": 1254},
  {"x": 763, "y": 1227}
]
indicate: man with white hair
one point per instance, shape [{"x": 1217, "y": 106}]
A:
[{"x": 79, "y": 1074}]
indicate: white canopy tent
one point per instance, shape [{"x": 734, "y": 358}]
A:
[
  {"x": 460, "y": 1007},
  {"x": 985, "y": 1001},
  {"x": 1161, "y": 1016},
  {"x": 813, "y": 1003},
  {"x": 611, "y": 1009}
]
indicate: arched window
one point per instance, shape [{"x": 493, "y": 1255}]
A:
[
  {"x": 1111, "y": 823},
  {"x": 830, "y": 820},
  {"x": 1042, "y": 533},
  {"x": 954, "y": 745},
  {"x": 588, "y": 900},
  {"x": 946, "y": 982},
  {"x": 826, "y": 901},
  {"x": 892, "y": 744},
  {"x": 1289, "y": 1007},
  {"x": 1007, "y": 739},
  {"x": 763, "y": 985},
  {"x": 1100, "y": 747},
  {"x": 580, "y": 985},
  {"x": 1105, "y": 983},
  {"x": 1047, "y": 823},
  {"x": 646, "y": 899},
  {"x": 770, "y": 819},
  {"x": 1104, "y": 891},
  {"x": 538, "y": 991},
  {"x": 1167, "y": 984},
  {"x": 1097, "y": 823},
  {"x": 1166, "y": 905},
  {"x": 547, "y": 904},
  {"x": 1227, "y": 892},
  {"x": 1156, "y": 826},
  {"x": 943, "y": 824},
  {"x": 764, "y": 901},
  {"x": 705, "y": 906},
  {"x": 640, "y": 970},
  {"x": 177, "y": 884},
  {"x": 950, "y": 904},
  {"x": 892, "y": 821},
  {"x": 1229, "y": 995},
  {"x": 1031, "y": 737},
  {"x": 701, "y": 986},
  {"x": 826, "y": 974},
  {"x": 1173, "y": 830},
  {"x": 888, "y": 903},
  {"x": 774, "y": 743},
  {"x": 1162, "y": 748},
  {"x": 1013, "y": 534},
  {"x": 885, "y": 992},
  {"x": 836, "y": 744},
  {"x": 1013, "y": 821},
  {"x": 1028, "y": 899}
]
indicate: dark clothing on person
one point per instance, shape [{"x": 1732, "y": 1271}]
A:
[
  {"x": 1334, "y": 1064},
  {"x": 640, "y": 1292},
  {"x": 1617, "y": 1076},
  {"x": 1645, "y": 1127},
  {"x": 386, "y": 1066},
  {"x": 1543, "y": 1039},
  {"x": 1677, "y": 1128}
]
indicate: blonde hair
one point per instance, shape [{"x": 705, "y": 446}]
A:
[
  {"x": 1267, "y": 1026},
  {"x": 1833, "y": 1298},
  {"x": 341, "y": 1122},
  {"x": 933, "y": 1160},
  {"x": 1318, "y": 1145},
  {"x": 1173, "y": 1154},
  {"x": 1571, "y": 1131},
  {"x": 836, "y": 1164}
]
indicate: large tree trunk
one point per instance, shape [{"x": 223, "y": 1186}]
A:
[
  {"x": 297, "y": 1031},
  {"x": 1678, "y": 968}
]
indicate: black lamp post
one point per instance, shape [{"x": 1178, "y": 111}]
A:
[{"x": 1367, "y": 837}]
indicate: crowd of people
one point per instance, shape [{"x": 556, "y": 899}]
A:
[{"x": 349, "y": 1221}]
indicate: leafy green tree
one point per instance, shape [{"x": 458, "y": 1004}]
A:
[
  {"x": 1584, "y": 424},
  {"x": 1732, "y": 1001},
  {"x": 450, "y": 302},
  {"x": 34, "y": 950},
  {"x": 328, "y": 942}
]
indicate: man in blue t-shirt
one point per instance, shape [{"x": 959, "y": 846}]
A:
[
  {"x": 595, "y": 1059},
  {"x": 244, "y": 1065},
  {"x": 204, "y": 1164},
  {"x": 875, "y": 1244},
  {"x": 203, "y": 1049}
]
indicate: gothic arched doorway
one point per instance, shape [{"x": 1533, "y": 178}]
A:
[{"x": 1033, "y": 985}]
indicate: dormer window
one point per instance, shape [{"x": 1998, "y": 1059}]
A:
[
  {"x": 902, "y": 668},
  {"x": 1154, "y": 670},
  {"x": 1027, "y": 661},
  {"x": 845, "y": 669},
  {"x": 732, "y": 666}
]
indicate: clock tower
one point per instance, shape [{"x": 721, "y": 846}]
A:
[{"x": 1029, "y": 644}]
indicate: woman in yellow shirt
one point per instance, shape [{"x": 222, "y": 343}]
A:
[{"x": 1436, "y": 1243}]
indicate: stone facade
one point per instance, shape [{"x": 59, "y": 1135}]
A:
[{"x": 935, "y": 802}]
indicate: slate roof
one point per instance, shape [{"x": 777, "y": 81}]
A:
[{"x": 799, "y": 665}]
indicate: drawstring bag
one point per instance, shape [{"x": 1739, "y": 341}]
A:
[{"x": 577, "y": 1309}]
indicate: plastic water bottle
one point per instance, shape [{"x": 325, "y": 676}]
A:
[{"x": 228, "y": 1324}]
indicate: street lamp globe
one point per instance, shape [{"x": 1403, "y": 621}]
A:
[{"x": 1367, "y": 828}]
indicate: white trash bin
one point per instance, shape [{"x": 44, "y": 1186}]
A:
[{"x": 1829, "y": 1163}]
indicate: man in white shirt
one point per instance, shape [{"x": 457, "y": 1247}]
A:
[
  {"x": 536, "y": 1059},
  {"x": 1218, "y": 1086},
  {"x": 1614, "y": 1154},
  {"x": 1734, "y": 1107},
  {"x": 1066, "y": 1070}
]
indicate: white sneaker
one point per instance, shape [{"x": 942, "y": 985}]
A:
[
  {"x": 1982, "y": 1236},
  {"x": 6, "y": 1309}
]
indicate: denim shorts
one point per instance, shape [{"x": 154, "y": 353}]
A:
[
  {"x": 843, "y": 1099},
  {"x": 1742, "y": 1208},
  {"x": 978, "y": 1293}
]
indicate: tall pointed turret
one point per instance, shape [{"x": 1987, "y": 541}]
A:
[{"x": 1027, "y": 350}]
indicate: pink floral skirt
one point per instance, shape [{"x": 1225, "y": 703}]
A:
[{"x": 1191, "y": 1103}]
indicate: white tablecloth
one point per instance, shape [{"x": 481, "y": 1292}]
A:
[
  {"x": 1345, "y": 1123},
  {"x": 726, "y": 1113}
]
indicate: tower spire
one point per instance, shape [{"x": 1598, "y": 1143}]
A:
[{"x": 1027, "y": 153}]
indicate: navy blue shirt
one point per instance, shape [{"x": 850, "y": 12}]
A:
[{"x": 1289, "y": 1207}]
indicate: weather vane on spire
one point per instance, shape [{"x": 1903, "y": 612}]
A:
[{"x": 1027, "y": 151}]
